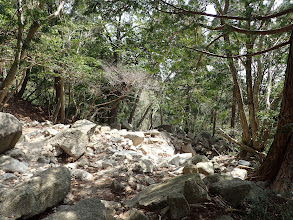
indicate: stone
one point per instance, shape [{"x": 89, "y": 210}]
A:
[
  {"x": 190, "y": 168},
  {"x": 180, "y": 159},
  {"x": 87, "y": 209},
  {"x": 8, "y": 176},
  {"x": 187, "y": 148},
  {"x": 239, "y": 173},
  {"x": 136, "y": 137},
  {"x": 81, "y": 174},
  {"x": 34, "y": 196},
  {"x": 198, "y": 158},
  {"x": 233, "y": 191},
  {"x": 224, "y": 217},
  {"x": 206, "y": 168},
  {"x": 244, "y": 163},
  {"x": 50, "y": 132},
  {"x": 209, "y": 180},
  {"x": 10, "y": 131},
  {"x": 71, "y": 141},
  {"x": 196, "y": 191},
  {"x": 154, "y": 196},
  {"x": 12, "y": 165},
  {"x": 168, "y": 128},
  {"x": 117, "y": 186},
  {"x": 127, "y": 126},
  {"x": 85, "y": 126},
  {"x": 134, "y": 214},
  {"x": 178, "y": 206},
  {"x": 146, "y": 165}
]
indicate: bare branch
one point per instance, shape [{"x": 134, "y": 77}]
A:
[
  {"x": 185, "y": 11},
  {"x": 243, "y": 55}
]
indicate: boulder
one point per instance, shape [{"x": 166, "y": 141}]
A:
[
  {"x": 178, "y": 206},
  {"x": 32, "y": 197},
  {"x": 72, "y": 141},
  {"x": 209, "y": 180},
  {"x": 155, "y": 196},
  {"x": 136, "y": 137},
  {"x": 134, "y": 214},
  {"x": 10, "y": 131},
  {"x": 87, "y": 209},
  {"x": 196, "y": 191},
  {"x": 85, "y": 126},
  {"x": 233, "y": 191}
]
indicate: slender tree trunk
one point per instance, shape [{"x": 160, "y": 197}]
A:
[
  {"x": 278, "y": 165},
  {"x": 233, "y": 111},
  {"x": 113, "y": 113},
  {"x": 134, "y": 106},
  {"x": 144, "y": 115},
  {"x": 59, "y": 87},
  {"x": 23, "y": 86}
]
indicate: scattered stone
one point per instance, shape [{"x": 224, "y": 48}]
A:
[
  {"x": 134, "y": 214},
  {"x": 87, "y": 209},
  {"x": 32, "y": 197},
  {"x": 190, "y": 168},
  {"x": 117, "y": 186},
  {"x": 239, "y": 173},
  {"x": 85, "y": 126},
  {"x": 209, "y": 180},
  {"x": 244, "y": 163},
  {"x": 146, "y": 165},
  {"x": 136, "y": 137},
  {"x": 81, "y": 174},
  {"x": 8, "y": 176},
  {"x": 12, "y": 165},
  {"x": 180, "y": 159},
  {"x": 178, "y": 206},
  {"x": 71, "y": 141},
  {"x": 198, "y": 158},
  {"x": 10, "y": 131},
  {"x": 206, "y": 168},
  {"x": 50, "y": 132}
]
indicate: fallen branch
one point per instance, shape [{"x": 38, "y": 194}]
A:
[{"x": 244, "y": 147}]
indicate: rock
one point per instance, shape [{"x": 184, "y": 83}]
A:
[
  {"x": 10, "y": 131},
  {"x": 239, "y": 173},
  {"x": 134, "y": 214},
  {"x": 32, "y": 197},
  {"x": 81, "y": 174},
  {"x": 85, "y": 126},
  {"x": 116, "y": 126},
  {"x": 126, "y": 125},
  {"x": 206, "y": 168},
  {"x": 233, "y": 191},
  {"x": 105, "y": 129},
  {"x": 155, "y": 196},
  {"x": 146, "y": 165},
  {"x": 244, "y": 163},
  {"x": 117, "y": 186},
  {"x": 136, "y": 137},
  {"x": 50, "y": 132},
  {"x": 87, "y": 209},
  {"x": 190, "y": 168},
  {"x": 8, "y": 176},
  {"x": 152, "y": 133},
  {"x": 178, "y": 206},
  {"x": 72, "y": 141},
  {"x": 12, "y": 165},
  {"x": 209, "y": 180},
  {"x": 224, "y": 217},
  {"x": 168, "y": 128},
  {"x": 198, "y": 158},
  {"x": 196, "y": 191},
  {"x": 180, "y": 159},
  {"x": 149, "y": 180},
  {"x": 187, "y": 148}
]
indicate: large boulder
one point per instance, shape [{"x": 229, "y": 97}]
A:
[
  {"x": 155, "y": 196},
  {"x": 85, "y": 126},
  {"x": 178, "y": 206},
  {"x": 72, "y": 141},
  {"x": 86, "y": 209},
  {"x": 10, "y": 131},
  {"x": 233, "y": 191},
  {"x": 32, "y": 197}
]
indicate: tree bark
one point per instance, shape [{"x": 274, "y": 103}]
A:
[
  {"x": 278, "y": 165},
  {"x": 233, "y": 110},
  {"x": 134, "y": 106},
  {"x": 144, "y": 115}
]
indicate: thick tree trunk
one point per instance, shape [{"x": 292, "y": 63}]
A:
[
  {"x": 278, "y": 166},
  {"x": 59, "y": 87},
  {"x": 233, "y": 110}
]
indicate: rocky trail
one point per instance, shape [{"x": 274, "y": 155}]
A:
[{"x": 90, "y": 171}]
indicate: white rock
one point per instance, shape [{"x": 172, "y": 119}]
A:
[
  {"x": 239, "y": 173},
  {"x": 180, "y": 159},
  {"x": 9, "y": 164},
  {"x": 146, "y": 165},
  {"x": 81, "y": 174},
  {"x": 136, "y": 137},
  {"x": 105, "y": 129},
  {"x": 50, "y": 132},
  {"x": 206, "y": 168},
  {"x": 244, "y": 163},
  {"x": 8, "y": 176}
]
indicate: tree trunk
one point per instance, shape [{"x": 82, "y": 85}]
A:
[
  {"x": 134, "y": 106},
  {"x": 59, "y": 87},
  {"x": 278, "y": 165},
  {"x": 14, "y": 67},
  {"x": 144, "y": 115},
  {"x": 233, "y": 110},
  {"x": 23, "y": 86}
]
